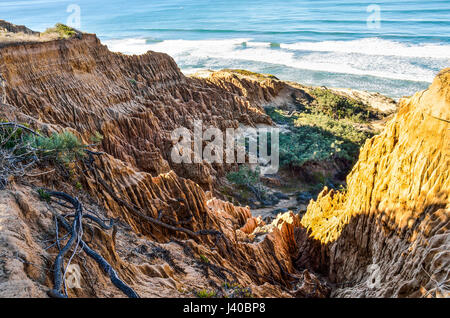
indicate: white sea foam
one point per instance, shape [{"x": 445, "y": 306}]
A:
[
  {"x": 375, "y": 46},
  {"x": 372, "y": 57}
]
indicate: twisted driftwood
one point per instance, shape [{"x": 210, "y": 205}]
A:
[
  {"x": 75, "y": 230},
  {"x": 16, "y": 125}
]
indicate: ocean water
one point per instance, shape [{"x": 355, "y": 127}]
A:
[{"x": 394, "y": 47}]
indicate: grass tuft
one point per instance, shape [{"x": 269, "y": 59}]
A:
[
  {"x": 251, "y": 74},
  {"x": 62, "y": 30},
  {"x": 204, "y": 259},
  {"x": 206, "y": 294}
]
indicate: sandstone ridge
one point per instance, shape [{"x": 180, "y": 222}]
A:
[
  {"x": 394, "y": 216},
  {"x": 77, "y": 84}
]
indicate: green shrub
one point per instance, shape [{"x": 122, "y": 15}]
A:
[
  {"x": 340, "y": 107},
  {"x": 22, "y": 149},
  {"x": 279, "y": 116},
  {"x": 96, "y": 138},
  {"x": 43, "y": 195},
  {"x": 10, "y": 136},
  {"x": 249, "y": 183},
  {"x": 245, "y": 176},
  {"x": 62, "y": 30},
  {"x": 63, "y": 147},
  {"x": 316, "y": 137},
  {"x": 234, "y": 290},
  {"x": 343, "y": 128},
  {"x": 206, "y": 294},
  {"x": 251, "y": 74},
  {"x": 204, "y": 259}
]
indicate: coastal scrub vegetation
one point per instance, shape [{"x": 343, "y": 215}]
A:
[
  {"x": 204, "y": 259},
  {"x": 327, "y": 129},
  {"x": 63, "y": 31},
  {"x": 245, "y": 176},
  {"x": 61, "y": 147},
  {"x": 22, "y": 148},
  {"x": 249, "y": 188},
  {"x": 249, "y": 182},
  {"x": 234, "y": 290},
  {"x": 227, "y": 290},
  {"x": 251, "y": 74},
  {"x": 206, "y": 294},
  {"x": 341, "y": 107}
]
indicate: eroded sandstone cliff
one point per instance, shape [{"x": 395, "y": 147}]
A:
[
  {"x": 135, "y": 102},
  {"x": 394, "y": 214},
  {"x": 388, "y": 234}
]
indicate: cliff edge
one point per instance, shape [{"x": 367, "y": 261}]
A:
[{"x": 391, "y": 224}]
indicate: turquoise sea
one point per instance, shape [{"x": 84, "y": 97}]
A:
[{"x": 394, "y": 47}]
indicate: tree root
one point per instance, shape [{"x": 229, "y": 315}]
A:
[{"x": 75, "y": 230}]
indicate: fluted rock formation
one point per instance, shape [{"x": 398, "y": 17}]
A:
[
  {"x": 135, "y": 102},
  {"x": 388, "y": 235},
  {"x": 393, "y": 220}
]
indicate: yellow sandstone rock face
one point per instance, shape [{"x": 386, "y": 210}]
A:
[{"x": 392, "y": 222}]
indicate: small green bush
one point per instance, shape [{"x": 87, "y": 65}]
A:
[
  {"x": 96, "y": 138},
  {"x": 43, "y": 195},
  {"x": 62, "y": 30},
  {"x": 63, "y": 147},
  {"x": 340, "y": 107},
  {"x": 234, "y": 290},
  {"x": 22, "y": 149},
  {"x": 206, "y": 294},
  {"x": 316, "y": 137},
  {"x": 204, "y": 259},
  {"x": 11, "y": 136},
  {"x": 249, "y": 183},
  {"x": 251, "y": 74},
  {"x": 244, "y": 176}
]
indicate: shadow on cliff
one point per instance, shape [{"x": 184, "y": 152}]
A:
[{"x": 374, "y": 248}]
